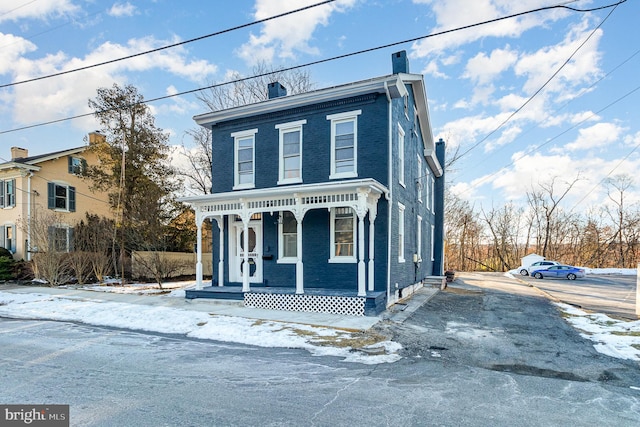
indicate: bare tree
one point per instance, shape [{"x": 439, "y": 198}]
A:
[
  {"x": 200, "y": 160},
  {"x": 248, "y": 90},
  {"x": 545, "y": 202},
  {"x": 616, "y": 188},
  {"x": 504, "y": 227}
]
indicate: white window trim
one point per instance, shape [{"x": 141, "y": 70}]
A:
[
  {"x": 3, "y": 237},
  {"x": 433, "y": 195},
  {"x": 419, "y": 180},
  {"x": 343, "y": 117},
  {"x": 237, "y": 136},
  {"x": 401, "y": 142},
  {"x": 283, "y": 259},
  {"x": 401, "y": 232},
  {"x": 433, "y": 229},
  {"x": 333, "y": 259},
  {"x": 4, "y": 183},
  {"x": 427, "y": 184},
  {"x": 419, "y": 239},
  {"x": 284, "y": 128}
]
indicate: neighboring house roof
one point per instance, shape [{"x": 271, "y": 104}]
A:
[
  {"x": 393, "y": 85},
  {"x": 31, "y": 162}
]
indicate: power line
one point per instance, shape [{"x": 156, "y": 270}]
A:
[
  {"x": 485, "y": 179},
  {"x": 541, "y": 87},
  {"x": 217, "y": 33},
  {"x": 321, "y": 61}
]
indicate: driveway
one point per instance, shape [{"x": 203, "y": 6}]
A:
[
  {"x": 501, "y": 324},
  {"x": 611, "y": 294}
]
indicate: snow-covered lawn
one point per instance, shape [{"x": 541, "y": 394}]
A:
[{"x": 322, "y": 341}]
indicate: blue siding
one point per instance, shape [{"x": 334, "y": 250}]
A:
[{"x": 373, "y": 155}]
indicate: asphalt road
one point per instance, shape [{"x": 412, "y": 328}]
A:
[
  {"x": 486, "y": 352},
  {"x": 610, "y": 294}
]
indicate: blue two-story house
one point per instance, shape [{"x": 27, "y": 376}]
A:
[{"x": 330, "y": 200}]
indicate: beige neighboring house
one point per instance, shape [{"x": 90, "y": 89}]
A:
[{"x": 46, "y": 182}]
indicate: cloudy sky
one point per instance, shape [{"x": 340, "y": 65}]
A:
[{"x": 546, "y": 95}]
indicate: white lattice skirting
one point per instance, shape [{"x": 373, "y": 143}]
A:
[{"x": 352, "y": 306}]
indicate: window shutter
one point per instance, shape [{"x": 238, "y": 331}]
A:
[
  {"x": 72, "y": 199},
  {"x": 70, "y": 164},
  {"x": 3, "y": 233},
  {"x": 51, "y": 195},
  {"x": 84, "y": 166},
  {"x": 1, "y": 194}
]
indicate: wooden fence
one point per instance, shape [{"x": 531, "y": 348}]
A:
[{"x": 183, "y": 264}]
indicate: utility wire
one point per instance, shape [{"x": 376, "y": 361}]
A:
[
  {"x": 217, "y": 33},
  {"x": 321, "y": 61},
  {"x": 562, "y": 107},
  {"x": 485, "y": 179},
  {"x": 541, "y": 87}
]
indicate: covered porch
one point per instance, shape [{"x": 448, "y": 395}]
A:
[{"x": 238, "y": 209}]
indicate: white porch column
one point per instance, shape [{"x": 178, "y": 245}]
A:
[
  {"x": 299, "y": 266},
  {"x": 199, "y": 255},
  {"x": 220, "y": 222},
  {"x": 246, "y": 270},
  {"x": 370, "y": 277},
  {"x": 361, "y": 268}
]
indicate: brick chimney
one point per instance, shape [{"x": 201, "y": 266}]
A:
[
  {"x": 400, "y": 62},
  {"x": 276, "y": 90},
  {"x": 95, "y": 137},
  {"x": 19, "y": 153}
]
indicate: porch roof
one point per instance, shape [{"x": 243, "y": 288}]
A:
[{"x": 358, "y": 193}]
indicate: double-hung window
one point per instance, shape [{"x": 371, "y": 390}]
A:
[
  {"x": 288, "y": 238},
  {"x": 244, "y": 159},
  {"x": 76, "y": 165},
  {"x": 290, "y": 164},
  {"x": 419, "y": 239},
  {"x": 60, "y": 238},
  {"x": 344, "y": 144},
  {"x": 8, "y": 237},
  {"x": 8, "y": 193},
  {"x": 433, "y": 194},
  {"x": 343, "y": 235},
  {"x": 401, "y": 232},
  {"x": 401, "y": 155},
  {"x": 61, "y": 197},
  {"x": 419, "y": 179}
]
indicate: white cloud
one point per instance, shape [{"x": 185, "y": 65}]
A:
[
  {"x": 483, "y": 69},
  {"x": 539, "y": 66},
  {"x": 43, "y": 9},
  {"x": 67, "y": 95},
  {"x": 453, "y": 14},
  {"x": 122, "y": 9},
  {"x": 281, "y": 38},
  {"x": 599, "y": 135}
]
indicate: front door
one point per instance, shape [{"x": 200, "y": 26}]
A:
[{"x": 237, "y": 252}]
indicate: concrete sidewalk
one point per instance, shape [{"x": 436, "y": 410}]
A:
[{"x": 397, "y": 313}]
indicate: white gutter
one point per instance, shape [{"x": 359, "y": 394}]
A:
[{"x": 389, "y": 194}]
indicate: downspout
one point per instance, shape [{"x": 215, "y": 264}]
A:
[
  {"x": 389, "y": 195},
  {"x": 30, "y": 196}
]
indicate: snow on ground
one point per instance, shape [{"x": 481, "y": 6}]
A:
[
  {"x": 616, "y": 338},
  {"x": 320, "y": 341}
]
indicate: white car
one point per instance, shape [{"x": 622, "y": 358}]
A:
[{"x": 524, "y": 271}]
